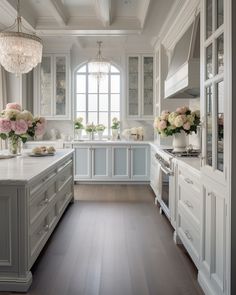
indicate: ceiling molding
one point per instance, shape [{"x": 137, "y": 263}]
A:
[
  {"x": 143, "y": 11},
  {"x": 103, "y": 10},
  {"x": 58, "y": 11}
]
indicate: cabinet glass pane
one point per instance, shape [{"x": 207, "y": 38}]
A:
[
  {"x": 46, "y": 87},
  {"x": 220, "y": 125},
  {"x": 209, "y": 70},
  {"x": 208, "y": 18},
  {"x": 133, "y": 85},
  {"x": 209, "y": 125},
  {"x": 60, "y": 85},
  {"x": 220, "y": 54},
  {"x": 220, "y": 13},
  {"x": 148, "y": 86}
]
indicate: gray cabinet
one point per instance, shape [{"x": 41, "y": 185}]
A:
[
  {"x": 120, "y": 162},
  {"x": 140, "y": 162},
  {"x": 100, "y": 162},
  {"x": 83, "y": 162}
]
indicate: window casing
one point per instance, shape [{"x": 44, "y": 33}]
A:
[{"x": 97, "y": 102}]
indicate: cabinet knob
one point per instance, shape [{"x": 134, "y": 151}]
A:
[
  {"x": 188, "y": 235},
  {"x": 46, "y": 228},
  {"x": 188, "y": 204},
  {"x": 188, "y": 180}
]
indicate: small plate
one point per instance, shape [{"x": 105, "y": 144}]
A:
[
  {"x": 41, "y": 155},
  {"x": 7, "y": 156}
]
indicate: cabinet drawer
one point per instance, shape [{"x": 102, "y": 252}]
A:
[
  {"x": 65, "y": 196},
  {"x": 189, "y": 235},
  {"x": 65, "y": 173},
  {"x": 41, "y": 201},
  {"x": 190, "y": 200},
  {"x": 190, "y": 179}
]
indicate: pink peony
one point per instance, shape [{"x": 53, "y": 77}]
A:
[
  {"x": 182, "y": 110},
  {"x": 39, "y": 129},
  {"x": 19, "y": 126},
  {"x": 162, "y": 125},
  {"x": 5, "y": 125},
  {"x": 13, "y": 106},
  {"x": 187, "y": 126},
  {"x": 164, "y": 115}
]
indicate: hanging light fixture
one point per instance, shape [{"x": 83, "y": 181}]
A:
[
  {"x": 19, "y": 52},
  {"x": 99, "y": 66}
]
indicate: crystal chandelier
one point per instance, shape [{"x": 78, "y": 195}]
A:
[
  {"x": 19, "y": 52},
  {"x": 99, "y": 66}
]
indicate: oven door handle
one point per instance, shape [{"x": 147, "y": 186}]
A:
[{"x": 167, "y": 171}]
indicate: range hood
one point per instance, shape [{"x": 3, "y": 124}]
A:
[{"x": 183, "y": 79}]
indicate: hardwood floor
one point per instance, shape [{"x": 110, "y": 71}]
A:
[{"x": 114, "y": 248}]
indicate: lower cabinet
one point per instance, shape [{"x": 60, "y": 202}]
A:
[
  {"x": 155, "y": 175},
  {"x": 120, "y": 162}
]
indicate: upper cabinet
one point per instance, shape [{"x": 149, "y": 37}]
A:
[
  {"x": 51, "y": 91},
  {"x": 140, "y": 87},
  {"x": 214, "y": 102}
]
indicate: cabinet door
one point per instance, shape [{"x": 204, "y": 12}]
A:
[
  {"x": 147, "y": 89},
  {"x": 140, "y": 162},
  {"x": 121, "y": 162},
  {"x": 46, "y": 86},
  {"x": 133, "y": 78},
  {"x": 82, "y": 162},
  {"x": 8, "y": 230},
  {"x": 214, "y": 238},
  {"x": 100, "y": 162}
]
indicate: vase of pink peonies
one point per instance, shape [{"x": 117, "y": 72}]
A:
[{"x": 17, "y": 125}]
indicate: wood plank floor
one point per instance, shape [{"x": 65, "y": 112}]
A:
[{"x": 114, "y": 248}]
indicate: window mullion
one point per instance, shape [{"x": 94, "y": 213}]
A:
[{"x": 87, "y": 94}]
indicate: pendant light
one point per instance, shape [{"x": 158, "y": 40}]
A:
[
  {"x": 99, "y": 66},
  {"x": 20, "y": 52}
]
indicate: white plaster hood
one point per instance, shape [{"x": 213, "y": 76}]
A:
[{"x": 183, "y": 79}]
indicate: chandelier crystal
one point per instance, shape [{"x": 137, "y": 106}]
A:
[
  {"x": 19, "y": 52},
  {"x": 99, "y": 66}
]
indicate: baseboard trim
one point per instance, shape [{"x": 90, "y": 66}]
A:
[
  {"x": 205, "y": 285},
  {"x": 16, "y": 284}
]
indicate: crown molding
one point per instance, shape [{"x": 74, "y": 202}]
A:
[{"x": 143, "y": 11}]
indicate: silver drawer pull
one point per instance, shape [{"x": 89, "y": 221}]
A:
[
  {"x": 188, "y": 180},
  {"x": 211, "y": 194},
  {"x": 188, "y": 235},
  {"x": 46, "y": 228},
  {"x": 44, "y": 202},
  {"x": 188, "y": 204}
]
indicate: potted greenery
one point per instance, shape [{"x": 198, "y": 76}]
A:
[
  {"x": 100, "y": 129},
  {"x": 78, "y": 127},
  {"x": 115, "y": 128},
  {"x": 90, "y": 129}
]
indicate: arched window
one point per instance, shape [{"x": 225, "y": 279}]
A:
[{"x": 97, "y": 102}]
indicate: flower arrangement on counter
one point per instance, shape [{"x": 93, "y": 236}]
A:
[
  {"x": 78, "y": 123},
  {"x": 100, "y": 127},
  {"x": 18, "y": 125},
  {"x": 90, "y": 128},
  {"x": 169, "y": 123},
  {"x": 115, "y": 123}
]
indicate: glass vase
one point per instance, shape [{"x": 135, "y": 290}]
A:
[
  {"x": 14, "y": 145},
  {"x": 115, "y": 134}
]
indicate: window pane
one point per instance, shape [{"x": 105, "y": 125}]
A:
[
  {"x": 82, "y": 69},
  {"x": 103, "y": 102},
  {"x": 220, "y": 13},
  {"x": 220, "y": 54},
  {"x": 103, "y": 85},
  {"x": 92, "y": 84},
  {"x": 103, "y": 118},
  {"x": 209, "y": 72},
  {"x": 81, "y": 102},
  {"x": 220, "y": 126},
  {"x": 209, "y": 125},
  {"x": 92, "y": 117},
  {"x": 114, "y": 69},
  {"x": 115, "y": 102},
  {"x": 83, "y": 115},
  {"x": 92, "y": 102},
  {"x": 208, "y": 18},
  {"x": 81, "y": 84},
  {"x": 115, "y": 83}
]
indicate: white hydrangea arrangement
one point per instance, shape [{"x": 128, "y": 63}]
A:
[
  {"x": 78, "y": 123},
  {"x": 115, "y": 123},
  {"x": 100, "y": 127},
  {"x": 169, "y": 123}
]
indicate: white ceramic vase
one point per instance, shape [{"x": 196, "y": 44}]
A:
[
  {"x": 78, "y": 134},
  {"x": 114, "y": 134},
  {"x": 100, "y": 135},
  {"x": 179, "y": 142}
]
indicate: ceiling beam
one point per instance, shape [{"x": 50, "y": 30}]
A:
[
  {"x": 104, "y": 11},
  {"x": 58, "y": 11},
  {"x": 143, "y": 11}
]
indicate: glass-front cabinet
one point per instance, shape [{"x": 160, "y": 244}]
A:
[
  {"x": 51, "y": 93},
  {"x": 140, "y": 87},
  {"x": 213, "y": 93}
]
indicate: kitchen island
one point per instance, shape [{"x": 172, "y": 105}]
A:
[{"x": 34, "y": 193}]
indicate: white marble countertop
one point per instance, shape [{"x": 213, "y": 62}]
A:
[{"x": 22, "y": 169}]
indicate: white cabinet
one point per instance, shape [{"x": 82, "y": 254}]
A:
[
  {"x": 155, "y": 175},
  {"x": 121, "y": 162},
  {"x": 52, "y": 87},
  {"x": 83, "y": 162},
  {"x": 140, "y": 162},
  {"x": 118, "y": 162},
  {"x": 140, "y": 87}
]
